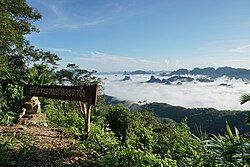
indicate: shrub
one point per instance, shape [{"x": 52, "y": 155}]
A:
[
  {"x": 130, "y": 157},
  {"x": 67, "y": 119}
]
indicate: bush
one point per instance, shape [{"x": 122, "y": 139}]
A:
[
  {"x": 130, "y": 157},
  {"x": 229, "y": 150},
  {"x": 64, "y": 117},
  {"x": 7, "y": 118}
]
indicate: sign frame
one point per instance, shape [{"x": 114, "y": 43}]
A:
[{"x": 85, "y": 95}]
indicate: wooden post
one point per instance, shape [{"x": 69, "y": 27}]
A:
[
  {"x": 87, "y": 119},
  {"x": 85, "y": 109}
]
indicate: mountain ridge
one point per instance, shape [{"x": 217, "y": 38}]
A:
[
  {"x": 208, "y": 120},
  {"x": 215, "y": 73}
]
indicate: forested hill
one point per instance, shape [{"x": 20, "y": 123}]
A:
[
  {"x": 215, "y": 73},
  {"x": 208, "y": 120}
]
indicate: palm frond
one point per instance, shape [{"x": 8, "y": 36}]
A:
[{"x": 244, "y": 98}]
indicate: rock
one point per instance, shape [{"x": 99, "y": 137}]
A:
[
  {"x": 31, "y": 113},
  {"x": 180, "y": 79},
  {"x": 22, "y": 121},
  {"x": 180, "y": 72},
  {"x": 33, "y": 106},
  {"x": 166, "y": 82},
  {"x": 126, "y": 78},
  {"x": 208, "y": 71},
  {"x": 157, "y": 80},
  {"x": 179, "y": 83},
  {"x": 20, "y": 127},
  {"x": 226, "y": 85},
  {"x": 163, "y": 74},
  {"x": 204, "y": 80},
  {"x": 154, "y": 80}
]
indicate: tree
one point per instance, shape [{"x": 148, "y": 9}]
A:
[
  {"x": 17, "y": 56},
  {"x": 243, "y": 99},
  {"x": 73, "y": 75},
  {"x": 21, "y": 63}
]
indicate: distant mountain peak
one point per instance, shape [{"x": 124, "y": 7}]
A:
[{"x": 215, "y": 73}]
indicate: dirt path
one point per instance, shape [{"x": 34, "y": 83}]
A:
[
  {"x": 49, "y": 147},
  {"x": 43, "y": 137}
]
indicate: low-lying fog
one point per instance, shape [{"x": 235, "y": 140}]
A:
[{"x": 188, "y": 94}]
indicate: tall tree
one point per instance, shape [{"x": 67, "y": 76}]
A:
[{"x": 17, "y": 55}]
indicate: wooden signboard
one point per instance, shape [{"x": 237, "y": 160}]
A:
[
  {"x": 80, "y": 93},
  {"x": 86, "y": 95}
]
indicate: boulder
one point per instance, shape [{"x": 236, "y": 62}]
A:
[
  {"x": 154, "y": 80},
  {"x": 31, "y": 113},
  {"x": 126, "y": 78}
]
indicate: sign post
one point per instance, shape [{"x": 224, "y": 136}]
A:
[{"x": 86, "y": 95}]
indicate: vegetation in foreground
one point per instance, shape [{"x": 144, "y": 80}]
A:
[{"x": 119, "y": 137}]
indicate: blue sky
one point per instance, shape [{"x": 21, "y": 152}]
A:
[{"x": 117, "y": 35}]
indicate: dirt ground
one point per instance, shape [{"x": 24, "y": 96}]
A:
[{"x": 49, "y": 147}]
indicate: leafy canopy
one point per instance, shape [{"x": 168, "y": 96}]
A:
[{"x": 20, "y": 62}]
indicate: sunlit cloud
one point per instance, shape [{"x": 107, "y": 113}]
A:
[
  {"x": 75, "y": 25},
  {"x": 60, "y": 50},
  {"x": 188, "y": 94},
  {"x": 117, "y": 63}
]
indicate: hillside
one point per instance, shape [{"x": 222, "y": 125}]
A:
[{"x": 208, "y": 120}]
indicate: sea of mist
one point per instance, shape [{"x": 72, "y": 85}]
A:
[{"x": 189, "y": 94}]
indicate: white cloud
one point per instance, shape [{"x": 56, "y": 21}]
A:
[
  {"x": 107, "y": 62},
  {"x": 60, "y": 50},
  {"x": 188, "y": 94},
  {"x": 241, "y": 49},
  {"x": 60, "y": 14},
  {"x": 64, "y": 18},
  {"x": 77, "y": 25}
]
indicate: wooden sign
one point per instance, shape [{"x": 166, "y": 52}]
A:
[{"x": 86, "y": 94}]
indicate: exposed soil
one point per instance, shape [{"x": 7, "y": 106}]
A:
[{"x": 48, "y": 148}]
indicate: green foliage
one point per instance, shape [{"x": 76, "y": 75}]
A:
[
  {"x": 119, "y": 119},
  {"x": 130, "y": 157},
  {"x": 243, "y": 99},
  {"x": 143, "y": 133},
  {"x": 7, "y": 118},
  {"x": 6, "y": 144},
  {"x": 119, "y": 136},
  {"x": 149, "y": 141},
  {"x": 12, "y": 96},
  {"x": 231, "y": 150},
  {"x": 207, "y": 119},
  {"x": 20, "y": 62},
  {"x": 73, "y": 75},
  {"x": 14, "y": 148},
  {"x": 16, "y": 21},
  {"x": 63, "y": 116},
  {"x": 101, "y": 141},
  {"x": 39, "y": 74}
]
